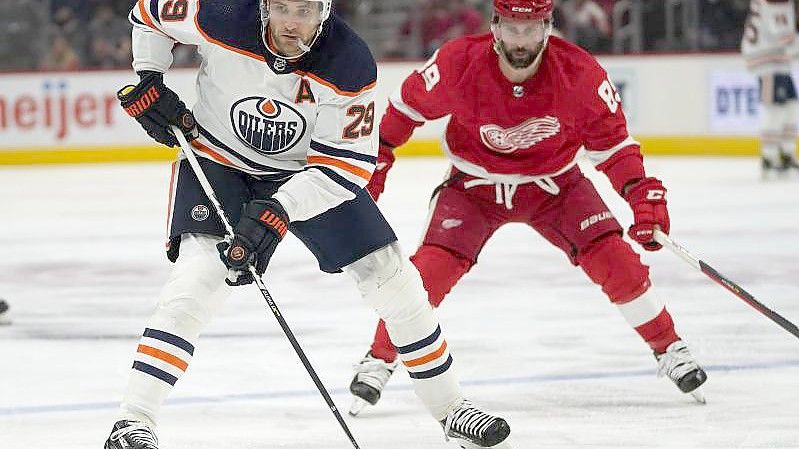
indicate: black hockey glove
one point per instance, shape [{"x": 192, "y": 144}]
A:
[
  {"x": 156, "y": 107},
  {"x": 262, "y": 226}
]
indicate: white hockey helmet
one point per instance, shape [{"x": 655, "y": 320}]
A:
[{"x": 326, "y": 8}]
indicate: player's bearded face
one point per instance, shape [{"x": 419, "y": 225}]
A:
[
  {"x": 292, "y": 21},
  {"x": 520, "y": 40}
]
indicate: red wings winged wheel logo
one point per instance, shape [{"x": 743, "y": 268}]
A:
[{"x": 521, "y": 136}]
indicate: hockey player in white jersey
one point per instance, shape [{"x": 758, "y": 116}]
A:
[
  {"x": 285, "y": 129},
  {"x": 769, "y": 33}
]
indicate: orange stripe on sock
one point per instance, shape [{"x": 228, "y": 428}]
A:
[
  {"x": 164, "y": 356},
  {"x": 355, "y": 170},
  {"x": 428, "y": 358}
]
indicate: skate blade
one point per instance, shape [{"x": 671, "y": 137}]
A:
[
  {"x": 699, "y": 395},
  {"x": 503, "y": 445},
  {"x": 357, "y": 406}
]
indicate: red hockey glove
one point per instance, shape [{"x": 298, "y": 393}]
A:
[
  {"x": 647, "y": 198},
  {"x": 385, "y": 159}
]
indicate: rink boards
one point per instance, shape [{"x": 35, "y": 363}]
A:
[{"x": 706, "y": 105}]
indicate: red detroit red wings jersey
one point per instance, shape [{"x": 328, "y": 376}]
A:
[{"x": 498, "y": 127}]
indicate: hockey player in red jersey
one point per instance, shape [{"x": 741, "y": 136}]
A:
[{"x": 521, "y": 105}]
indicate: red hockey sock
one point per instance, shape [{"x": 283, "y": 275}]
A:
[
  {"x": 382, "y": 348},
  {"x": 659, "y": 333},
  {"x": 440, "y": 270}
]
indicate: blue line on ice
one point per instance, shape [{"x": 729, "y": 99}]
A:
[{"x": 500, "y": 381}]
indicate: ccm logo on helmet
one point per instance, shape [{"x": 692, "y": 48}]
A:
[{"x": 524, "y": 9}]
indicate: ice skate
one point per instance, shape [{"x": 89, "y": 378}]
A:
[
  {"x": 131, "y": 435},
  {"x": 788, "y": 163},
  {"x": 371, "y": 376},
  {"x": 679, "y": 365},
  {"x": 785, "y": 166},
  {"x": 473, "y": 428},
  {"x": 4, "y": 315}
]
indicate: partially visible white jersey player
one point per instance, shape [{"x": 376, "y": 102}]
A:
[
  {"x": 285, "y": 129},
  {"x": 769, "y": 33}
]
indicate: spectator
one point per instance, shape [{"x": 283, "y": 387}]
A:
[
  {"x": 21, "y": 39},
  {"x": 587, "y": 24},
  {"x": 434, "y": 25},
  {"x": 722, "y": 23},
  {"x": 607, "y": 5},
  {"x": 345, "y": 9},
  {"x": 437, "y": 22},
  {"x": 69, "y": 26},
  {"x": 61, "y": 55},
  {"x": 110, "y": 39},
  {"x": 464, "y": 18}
]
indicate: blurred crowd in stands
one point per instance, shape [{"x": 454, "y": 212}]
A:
[{"x": 78, "y": 34}]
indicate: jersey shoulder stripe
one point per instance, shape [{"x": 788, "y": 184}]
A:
[
  {"x": 341, "y": 60},
  {"x": 232, "y": 25}
]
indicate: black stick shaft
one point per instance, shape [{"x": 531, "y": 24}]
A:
[
  {"x": 748, "y": 298},
  {"x": 717, "y": 277},
  {"x": 301, "y": 354}
]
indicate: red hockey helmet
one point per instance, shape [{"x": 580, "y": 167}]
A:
[{"x": 524, "y": 9}]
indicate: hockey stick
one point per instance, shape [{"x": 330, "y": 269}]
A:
[
  {"x": 209, "y": 191},
  {"x": 720, "y": 279}
]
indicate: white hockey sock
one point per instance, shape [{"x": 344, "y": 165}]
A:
[
  {"x": 777, "y": 130},
  {"x": 788, "y": 111},
  {"x": 191, "y": 296},
  {"x": 161, "y": 358},
  {"x": 394, "y": 288},
  {"x": 642, "y": 309}
]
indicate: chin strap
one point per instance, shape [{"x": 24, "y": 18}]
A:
[
  {"x": 307, "y": 48},
  {"x": 304, "y": 48}
]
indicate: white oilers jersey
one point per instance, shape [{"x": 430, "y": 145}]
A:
[
  {"x": 310, "y": 120},
  {"x": 770, "y": 29}
]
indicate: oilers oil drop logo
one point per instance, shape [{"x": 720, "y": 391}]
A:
[{"x": 267, "y": 126}]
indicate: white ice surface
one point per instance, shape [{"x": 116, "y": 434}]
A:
[{"x": 81, "y": 263}]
